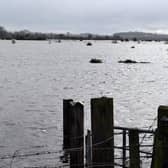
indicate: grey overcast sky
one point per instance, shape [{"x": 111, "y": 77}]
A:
[{"x": 78, "y": 16}]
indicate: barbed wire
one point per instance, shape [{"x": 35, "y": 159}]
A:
[
  {"x": 105, "y": 164},
  {"x": 104, "y": 141},
  {"x": 151, "y": 126},
  {"x": 76, "y": 137},
  {"x": 12, "y": 159},
  {"x": 16, "y": 155}
]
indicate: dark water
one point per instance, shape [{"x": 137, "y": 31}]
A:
[{"x": 36, "y": 76}]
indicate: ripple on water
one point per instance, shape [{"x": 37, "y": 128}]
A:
[
  {"x": 41, "y": 83},
  {"x": 9, "y": 123},
  {"x": 33, "y": 110}
]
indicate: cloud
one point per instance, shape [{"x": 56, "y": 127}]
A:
[{"x": 98, "y": 16}]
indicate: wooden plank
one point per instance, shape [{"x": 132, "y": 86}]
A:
[
  {"x": 102, "y": 132},
  {"x": 134, "y": 148},
  {"x": 66, "y": 122},
  {"x": 124, "y": 148},
  {"x": 88, "y": 149},
  {"x": 77, "y": 135},
  {"x": 140, "y": 130},
  {"x": 160, "y": 151}
]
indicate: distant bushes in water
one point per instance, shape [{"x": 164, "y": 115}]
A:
[
  {"x": 129, "y": 61},
  {"x": 89, "y": 44},
  {"x": 95, "y": 60}
]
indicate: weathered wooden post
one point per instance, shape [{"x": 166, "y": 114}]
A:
[
  {"x": 102, "y": 132},
  {"x": 73, "y": 128},
  {"x": 160, "y": 151},
  {"x": 77, "y": 135},
  {"x": 66, "y": 122},
  {"x": 88, "y": 149},
  {"x": 134, "y": 148},
  {"x": 124, "y": 148}
]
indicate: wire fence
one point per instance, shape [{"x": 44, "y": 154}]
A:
[{"x": 146, "y": 149}]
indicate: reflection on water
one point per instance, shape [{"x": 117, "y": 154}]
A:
[{"x": 36, "y": 77}]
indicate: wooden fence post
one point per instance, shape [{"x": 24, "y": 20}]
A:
[
  {"x": 77, "y": 135},
  {"x": 66, "y": 122},
  {"x": 134, "y": 148},
  {"x": 124, "y": 148},
  {"x": 88, "y": 149},
  {"x": 102, "y": 132},
  {"x": 160, "y": 151}
]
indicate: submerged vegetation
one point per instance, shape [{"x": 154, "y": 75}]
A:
[
  {"x": 95, "y": 60},
  {"x": 89, "y": 44},
  {"x": 129, "y": 61}
]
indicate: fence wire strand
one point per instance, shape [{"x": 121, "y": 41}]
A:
[{"x": 147, "y": 154}]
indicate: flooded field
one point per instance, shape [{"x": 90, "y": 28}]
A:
[{"x": 36, "y": 76}]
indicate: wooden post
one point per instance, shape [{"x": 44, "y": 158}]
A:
[
  {"x": 102, "y": 132},
  {"x": 124, "y": 148},
  {"x": 66, "y": 123},
  {"x": 77, "y": 135},
  {"x": 134, "y": 148},
  {"x": 88, "y": 149},
  {"x": 160, "y": 152}
]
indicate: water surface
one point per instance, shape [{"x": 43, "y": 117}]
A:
[{"x": 36, "y": 77}]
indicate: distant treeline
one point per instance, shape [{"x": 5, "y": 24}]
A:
[
  {"x": 125, "y": 36},
  {"x": 28, "y": 35}
]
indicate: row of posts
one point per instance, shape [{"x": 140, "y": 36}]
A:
[{"x": 99, "y": 142}]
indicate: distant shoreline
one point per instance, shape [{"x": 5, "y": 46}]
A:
[{"x": 123, "y": 36}]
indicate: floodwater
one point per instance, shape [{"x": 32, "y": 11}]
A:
[{"x": 36, "y": 76}]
